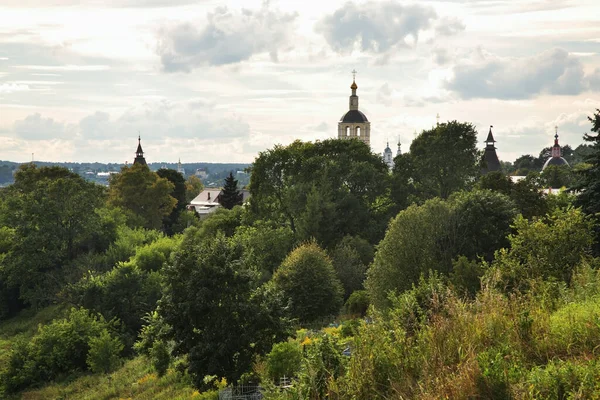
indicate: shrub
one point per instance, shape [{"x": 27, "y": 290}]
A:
[
  {"x": 160, "y": 357},
  {"x": 357, "y": 303},
  {"x": 58, "y": 348},
  {"x": 308, "y": 279},
  {"x": 564, "y": 380},
  {"x": 103, "y": 355},
  {"x": 284, "y": 360}
]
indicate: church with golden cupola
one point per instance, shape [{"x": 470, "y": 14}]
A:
[{"x": 354, "y": 124}]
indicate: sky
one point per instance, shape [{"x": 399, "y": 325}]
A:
[{"x": 221, "y": 81}]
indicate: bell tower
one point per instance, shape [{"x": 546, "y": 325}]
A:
[{"x": 354, "y": 124}]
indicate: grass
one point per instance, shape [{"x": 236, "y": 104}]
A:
[{"x": 134, "y": 380}]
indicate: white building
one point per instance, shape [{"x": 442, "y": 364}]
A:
[{"x": 207, "y": 201}]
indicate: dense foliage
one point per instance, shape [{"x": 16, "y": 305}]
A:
[{"x": 481, "y": 286}]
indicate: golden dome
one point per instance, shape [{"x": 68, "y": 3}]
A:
[{"x": 353, "y": 87}]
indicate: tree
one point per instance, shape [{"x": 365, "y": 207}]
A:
[
  {"x": 526, "y": 193},
  {"x": 589, "y": 179},
  {"x": 546, "y": 248},
  {"x": 230, "y": 196},
  {"x": 351, "y": 259},
  {"x": 143, "y": 193},
  {"x": 431, "y": 236},
  {"x": 218, "y": 314},
  {"x": 442, "y": 160},
  {"x": 53, "y": 216},
  {"x": 178, "y": 193},
  {"x": 315, "y": 187},
  {"x": 265, "y": 245},
  {"x": 193, "y": 187},
  {"x": 308, "y": 279},
  {"x": 556, "y": 176}
]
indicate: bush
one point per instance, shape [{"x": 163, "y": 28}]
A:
[
  {"x": 351, "y": 259},
  {"x": 284, "y": 360},
  {"x": 126, "y": 292},
  {"x": 564, "y": 380},
  {"x": 357, "y": 303},
  {"x": 160, "y": 357},
  {"x": 58, "y": 348},
  {"x": 308, "y": 279},
  {"x": 103, "y": 355}
]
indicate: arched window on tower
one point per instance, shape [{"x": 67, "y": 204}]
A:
[
  {"x": 358, "y": 131},
  {"x": 347, "y": 131}
]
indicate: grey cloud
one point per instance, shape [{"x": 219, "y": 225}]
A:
[
  {"x": 228, "y": 37},
  {"x": 593, "y": 80},
  {"x": 322, "y": 127},
  {"x": 554, "y": 72},
  {"x": 35, "y": 127},
  {"x": 165, "y": 119},
  {"x": 441, "y": 56},
  {"x": 375, "y": 27},
  {"x": 384, "y": 94}
]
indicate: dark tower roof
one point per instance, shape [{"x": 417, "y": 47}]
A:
[
  {"x": 139, "y": 153},
  {"x": 354, "y": 116},
  {"x": 491, "y": 162}
]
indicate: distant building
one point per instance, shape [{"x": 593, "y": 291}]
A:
[
  {"x": 180, "y": 168},
  {"x": 398, "y": 150},
  {"x": 354, "y": 124},
  {"x": 555, "y": 158},
  {"x": 139, "y": 154},
  {"x": 201, "y": 173},
  {"x": 388, "y": 156},
  {"x": 491, "y": 162},
  {"x": 207, "y": 201}
]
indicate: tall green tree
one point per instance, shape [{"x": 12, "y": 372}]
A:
[
  {"x": 230, "y": 196},
  {"x": 219, "y": 315},
  {"x": 193, "y": 187},
  {"x": 589, "y": 178},
  {"x": 323, "y": 190},
  {"x": 441, "y": 160},
  {"x": 143, "y": 193},
  {"x": 179, "y": 194},
  {"x": 432, "y": 235},
  {"x": 52, "y": 214}
]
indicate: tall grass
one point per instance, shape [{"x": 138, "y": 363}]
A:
[{"x": 501, "y": 345}]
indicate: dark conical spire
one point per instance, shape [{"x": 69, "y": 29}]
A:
[
  {"x": 490, "y": 137},
  {"x": 490, "y": 158},
  {"x": 139, "y": 153}
]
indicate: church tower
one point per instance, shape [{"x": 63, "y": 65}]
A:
[
  {"x": 491, "y": 162},
  {"x": 556, "y": 154},
  {"x": 354, "y": 124},
  {"x": 388, "y": 156},
  {"x": 139, "y": 153},
  {"x": 180, "y": 168},
  {"x": 398, "y": 150}
]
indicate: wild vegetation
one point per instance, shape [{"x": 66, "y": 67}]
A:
[{"x": 337, "y": 279}]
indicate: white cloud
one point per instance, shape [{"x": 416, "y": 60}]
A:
[
  {"x": 229, "y": 37},
  {"x": 11, "y": 87}
]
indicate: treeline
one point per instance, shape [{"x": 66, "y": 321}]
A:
[{"x": 431, "y": 249}]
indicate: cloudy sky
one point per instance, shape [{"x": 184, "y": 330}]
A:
[{"x": 218, "y": 81}]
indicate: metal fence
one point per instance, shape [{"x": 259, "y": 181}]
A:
[{"x": 241, "y": 392}]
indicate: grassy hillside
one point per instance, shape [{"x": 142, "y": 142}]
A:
[{"x": 136, "y": 379}]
